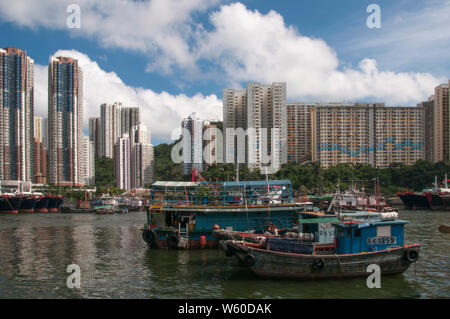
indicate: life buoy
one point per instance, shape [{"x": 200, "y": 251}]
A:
[
  {"x": 318, "y": 263},
  {"x": 149, "y": 236},
  {"x": 411, "y": 255},
  {"x": 249, "y": 260},
  {"x": 173, "y": 239}
]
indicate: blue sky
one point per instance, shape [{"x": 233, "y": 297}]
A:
[{"x": 173, "y": 57}]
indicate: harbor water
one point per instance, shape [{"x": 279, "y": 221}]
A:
[{"x": 35, "y": 250}]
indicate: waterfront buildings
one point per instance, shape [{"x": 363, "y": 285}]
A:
[
  {"x": 368, "y": 133},
  {"x": 299, "y": 132},
  {"x": 110, "y": 128},
  {"x": 260, "y": 111},
  {"x": 41, "y": 130},
  {"x": 212, "y": 153},
  {"x": 65, "y": 120},
  {"x": 40, "y": 162},
  {"x": 192, "y": 132},
  {"x": 441, "y": 123},
  {"x": 123, "y": 162},
  {"x": 141, "y": 165},
  {"x": 16, "y": 115},
  {"x": 129, "y": 118},
  {"x": 94, "y": 134},
  {"x": 88, "y": 169},
  {"x": 428, "y": 108}
]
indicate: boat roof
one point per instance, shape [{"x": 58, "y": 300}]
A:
[
  {"x": 175, "y": 184},
  {"x": 279, "y": 182},
  {"x": 333, "y": 220}
]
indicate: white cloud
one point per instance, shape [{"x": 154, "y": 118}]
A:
[
  {"x": 248, "y": 45},
  {"x": 162, "y": 112},
  {"x": 240, "y": 45}
]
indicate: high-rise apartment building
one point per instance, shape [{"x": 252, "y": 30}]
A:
[
  {"x": 234, "y": 119},
  {"x": 261, "y": 111},
  {"x": 211, "y": 151},
  {"x": 110, "y": 128},
  {"x": 65, "y": 120},
  {"x": 428, "y": 108},
  {"x": 299, "y": 132},
  {"x": 40, "y": 162},
  {"x": 366, "y": 133},
  {"x": 16, "y": 115},
  {"x": 88, "y": 169},
  {"x": 441, "y": 123},
  {"x": 123, "y": 162},
  {"x": 141, "y": 157},
  {"x": 192, "y": 131},
  {"x": 129, "y": 118},
  {"x": 41, "y": 129},
  {"x": 94, "y": 134}
]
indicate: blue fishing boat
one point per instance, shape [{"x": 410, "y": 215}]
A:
[
  {"x": 359, "y": 241},
  {"x": 184, "y": 214}
]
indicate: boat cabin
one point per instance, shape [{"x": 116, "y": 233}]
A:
[{"x": 355, "y": 237}]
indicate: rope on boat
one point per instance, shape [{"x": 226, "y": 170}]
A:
[{"x": 340, "y": 265}]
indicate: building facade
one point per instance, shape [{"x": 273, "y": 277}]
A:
[
  {"x": 299, "y": 132},
  {"x": 192, "y": 132},
  {"x": 16, "y": 115},
  {"x": 40, "y": 162},
  {"x": 123, "y": 162},
  {"x": 65, "y": 121},
  {"x": 88, "y": 170},
  {"x": 260, "y": 111},
  {"x": 366, "y": 133},
  {"x": 441, "y": 123},
  {"x": 110, "y": 128},
  {"x": 129, "y": 118},
  {"x": 142, "y": 157},
  {"x": 94, "y": 134}
]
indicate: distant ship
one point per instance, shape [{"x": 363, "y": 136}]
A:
[
  {"x": 9, "y": 203},
  {"x": 437, "y": 198},
  {"x": 54, "y": 202}
]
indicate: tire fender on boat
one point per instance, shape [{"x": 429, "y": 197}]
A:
[
  {"x": 173, "y": 239},
  {"x": 223, "y": 246},
  {"x": 411, "y": 255},
  {"x": 318, "y": 263},
  {"x": 249, "y": 260},
  {"x": 149, "y": 236}
]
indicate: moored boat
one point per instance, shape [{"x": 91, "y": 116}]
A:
[
  {"x": 54, "y": 202},
  {"x": 28, "y": 203},
  {"x": 357, "y": 245},
  {"x": 183, "y": 214},
  {"x": 9, "y": 203},
  {"x": 42, "y": 205}
]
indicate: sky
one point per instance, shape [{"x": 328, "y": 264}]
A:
[{"x": 174, "y": 57}]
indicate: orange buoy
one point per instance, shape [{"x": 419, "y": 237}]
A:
[
  {"x": 216, "y": 227},
  {"x": 203, "y": 241}
]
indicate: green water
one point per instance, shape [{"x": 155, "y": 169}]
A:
[{"x": 36, "y": 249}]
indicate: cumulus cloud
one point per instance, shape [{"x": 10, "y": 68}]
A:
[
  {"x": 162, "y": 112},
  {"x": 248, "y": 45},
  {"x": 238, "y": 45}
]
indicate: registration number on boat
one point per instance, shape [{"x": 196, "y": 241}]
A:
[{"x": 381, "y": 240}]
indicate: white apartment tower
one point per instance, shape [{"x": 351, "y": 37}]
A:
[
  {"x": 123, "y": 162},
  {"x": 110, "y": 128},
  {"x": 192, "y": 131},
  {"x": 141, "y": 157},
  {"x": 261, "y": 111}
]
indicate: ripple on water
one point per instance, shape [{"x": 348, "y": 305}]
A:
[{"x": 36, "y": 249}]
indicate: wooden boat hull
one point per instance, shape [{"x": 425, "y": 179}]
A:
[
  {"x": 444, "y": 228},
  {"x": 299, "y": 266}
]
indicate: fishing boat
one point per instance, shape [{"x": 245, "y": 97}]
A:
[
  {"x": 42, "y": 204},
  {"x": 9, "y": 203},
  {"x": 28, "y": 202},
  {"x": 444, "y": 228},
  {"x": 357, "y": 245},
  {"x": 184, "y": 214},
  {"x": 54, "y": 202},
  {"x": 436, "y": 198}
]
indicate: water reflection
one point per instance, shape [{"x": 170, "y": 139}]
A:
[{"x": 36, "y": 249}]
